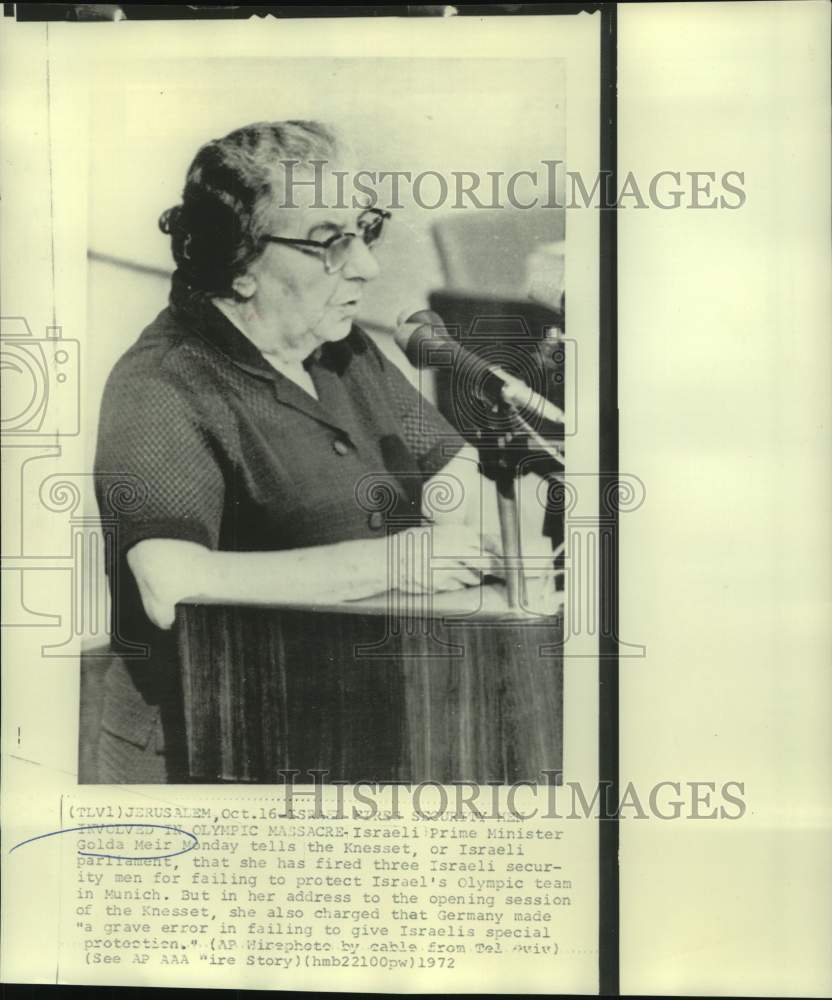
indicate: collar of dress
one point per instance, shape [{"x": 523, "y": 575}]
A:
[{"x": 194, "y": 310}]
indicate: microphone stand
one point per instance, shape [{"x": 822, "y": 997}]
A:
[{"x": 501, "y": 461}]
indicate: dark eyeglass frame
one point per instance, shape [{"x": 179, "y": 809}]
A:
[{"x": 370, "y": 233}]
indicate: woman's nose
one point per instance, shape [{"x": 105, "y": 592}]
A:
[{"x": 361, "y": 261}]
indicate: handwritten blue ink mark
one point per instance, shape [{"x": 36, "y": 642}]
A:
[{"x": 119, "y": 826}]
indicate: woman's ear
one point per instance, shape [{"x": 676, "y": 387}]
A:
[{"x": 245, "y": 285}]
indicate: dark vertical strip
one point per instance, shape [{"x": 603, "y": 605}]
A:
[
  {"x": 51, "y": 184},
  {"x": 608, "y": 925}
]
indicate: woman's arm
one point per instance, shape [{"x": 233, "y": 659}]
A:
[{"x": 168, "y": 570}]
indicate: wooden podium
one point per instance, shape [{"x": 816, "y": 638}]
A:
[{"x": 397, "y": 688}]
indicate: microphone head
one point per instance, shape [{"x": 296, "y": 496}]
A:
[
  {"x": 413, "y": 328},
  {"x": 421, "y": 316}
]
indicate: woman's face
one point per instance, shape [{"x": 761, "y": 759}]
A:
[{"x": 295, "y": 296}]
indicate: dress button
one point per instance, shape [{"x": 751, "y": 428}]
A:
[
  {"x": 340, "y": 447},
  {"x": 376, "y": 520}
]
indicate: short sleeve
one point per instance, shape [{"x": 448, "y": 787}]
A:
[
  {"x": 432, "y": 440},
  {"x": 157, "y": 473}
]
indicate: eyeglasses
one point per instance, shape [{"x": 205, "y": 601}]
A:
[{"x": 336, "y": 249}]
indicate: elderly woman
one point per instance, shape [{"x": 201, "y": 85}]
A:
[{"x": 250, "y": 410}]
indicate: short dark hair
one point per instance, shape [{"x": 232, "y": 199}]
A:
[{"x": 218, "y": 229}]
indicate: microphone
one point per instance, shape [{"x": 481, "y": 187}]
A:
[{"x": 427, "y": 344}]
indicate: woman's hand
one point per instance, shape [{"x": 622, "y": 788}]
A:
[{"x": 442, "y": 557}]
